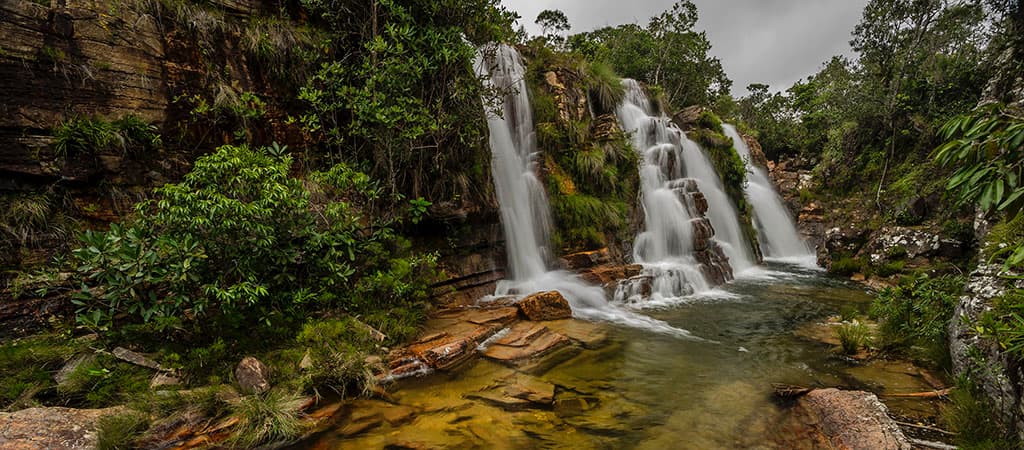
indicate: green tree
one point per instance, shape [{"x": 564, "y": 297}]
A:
[{"x": 552, "y": 23}]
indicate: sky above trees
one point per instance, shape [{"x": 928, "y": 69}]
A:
[{"x": 775, "y": 42}]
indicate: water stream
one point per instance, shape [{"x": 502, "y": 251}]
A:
[
  {"x": 776, "y": 231},
  {"x": 650, "y": 390}
]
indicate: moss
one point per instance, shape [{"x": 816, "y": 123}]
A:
[
  {"x": 1002, "y": 239},
  {"x": 105, "y": 381},
  {"x": 846, "y": 266},
  {"x": 28, "y": 366}
]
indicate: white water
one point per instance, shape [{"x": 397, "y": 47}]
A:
[
  {"x": 665, "y": 246},
  {"x": 524, "y": 207},
  {"x": 776, "y": 231}
]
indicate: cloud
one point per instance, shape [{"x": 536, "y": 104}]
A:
[{"x": 775, "y": 42}]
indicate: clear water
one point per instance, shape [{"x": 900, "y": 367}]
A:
[{"x": 650, "y": 389}]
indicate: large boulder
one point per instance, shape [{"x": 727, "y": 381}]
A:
[
  {"x": 550, "y": 305},
  {"x": 51, "y": 428},
  {"x": 851, "y": 420},
  {"x": 253, "y": 376}
]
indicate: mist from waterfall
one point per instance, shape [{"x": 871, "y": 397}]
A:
[
  {"x": 524, "y": 206},
  {"x": 777, "y": 232}
]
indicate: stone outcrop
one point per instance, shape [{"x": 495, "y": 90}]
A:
[
  {"x": 995, "y": 372},
  {"x": 850, "y": 420},
  {"x": 714, "y": 264},
  {"x": 253, "y": 376},
  {"x": 51, "y": 428},
  {"x": 543, "y": 306}
]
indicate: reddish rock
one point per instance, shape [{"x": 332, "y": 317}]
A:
[
  {"x": 549, "y": 305},
  {"x": 51, "y": 428},
  {"x": 852, "y": 420},
  {"x": 584, "y": 260},
  {"x": 604, "y": 275},
  {"x": 525, "y": 341},
  {"x": 253, "y": 376}
]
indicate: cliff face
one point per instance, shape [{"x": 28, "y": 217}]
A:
[{"x": 201, "y": 75}]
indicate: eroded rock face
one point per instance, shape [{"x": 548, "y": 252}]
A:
[
  {"x": 51, "y": 428},
  {"x": 851, "y": 420},
  {"x": 542, "y": 306},
  {"x": 989, "y": 367},
  {"x": 253, "y": 376}
]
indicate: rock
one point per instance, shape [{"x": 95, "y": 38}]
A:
[
  {"x": 307, "y": 361},
  {"x": 688, "y": 116},
  {"x": 51, "y": 428},
  {"x": 69, "y": 367},
  {"x": 253, "y": 376},
  {"x": 524, "y": 342},
  {"x": 757, "y": 155},
  {"x": 517, "y": 392},
  {"x": 549, "y": 305},
  {"x": 605, "y": 275},
  {"x": 164, "y": 380},
  {"x": 852, "y": 420},
  {"x": 585, "y": 260},
  {"x": 446, "y": 350},
  {"x": 135, "y": 358}
]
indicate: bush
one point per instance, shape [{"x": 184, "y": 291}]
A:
[
  {"x": 853, "y": 336},
  {"x": 915, "y": 314},
  {"x": 93, "y": 135},
  {"x": 239, "y": 241},
  {"x": 338, "y": 349},
  {"x": 846, "y": 266}
]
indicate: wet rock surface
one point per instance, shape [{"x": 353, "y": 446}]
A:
[{"x": 542, "y": 306}]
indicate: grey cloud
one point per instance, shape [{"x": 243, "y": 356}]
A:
[{"x": 775, "y": 42}]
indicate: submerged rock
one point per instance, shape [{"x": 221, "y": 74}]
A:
[{"x": 549, "y": 305}]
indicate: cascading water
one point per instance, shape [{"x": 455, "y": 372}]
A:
[
  {"x": 778, "y": 235},
  {"x": 669, "y": 162},
  {"x": 524, "y": 207}
]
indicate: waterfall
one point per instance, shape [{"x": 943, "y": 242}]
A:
[
  {"x": 524, "y": 207},
  {"x": 777, "y": 233}
]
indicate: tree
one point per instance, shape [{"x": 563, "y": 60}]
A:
[
  {"x": 552, "y": 22},
  {"x": 668, "y": 52}
]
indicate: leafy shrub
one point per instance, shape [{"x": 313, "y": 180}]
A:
[
  {"x": 915, "y": 314},
  {"x": 238, "y": 242},
  {"x": 708, "y": 119}
]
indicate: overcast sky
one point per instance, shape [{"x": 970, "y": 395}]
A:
[{"x": 775, "y": 42}]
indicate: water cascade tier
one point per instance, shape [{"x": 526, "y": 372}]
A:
[
  {"x": 524, "y": 206},
  {"x": 684, "y": 208},
  {"x": 776, "y": 231}
]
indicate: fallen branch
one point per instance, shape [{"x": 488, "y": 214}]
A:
[
  {"x": 931, "y": 444},
  {"x": 789, "y": 391},
  {"x": 929, "y": 394},
  {"x": 925, "y": 427}
]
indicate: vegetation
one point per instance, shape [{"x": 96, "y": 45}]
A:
[
  {"x": 118, "y": 431},
  {"x": 264, "y": 419},
  {"x": 972, "y": 416},
  {"x": 914, "y": 315},
  {"x": 91, "y": 136},
  {"x": 853, "y": 336},
  {"x": 668, "y": 52}
]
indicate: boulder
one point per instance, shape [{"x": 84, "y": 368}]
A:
[
  {"x": 253, "y": 376},
  {"x": 51, "y": 428},
  {"x": 585, "y": 260},
  {"x": 550, "y": 305},
  {"x": 524, "y": 342},
  {"x": 851, "y": 420}
]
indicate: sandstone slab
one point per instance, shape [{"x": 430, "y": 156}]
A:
[{"x": 549, "y": 305}]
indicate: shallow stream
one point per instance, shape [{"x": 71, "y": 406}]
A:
[{"x": 643, "y": 389}]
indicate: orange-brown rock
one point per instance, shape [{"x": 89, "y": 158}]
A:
[
  {"x": 587, "y": 259},
  {"x": 550, "y": 305},
  {"x": 50, "y": 428},
  {"x": 604, "y": 275},
  {"x": 851, "y": 420},
  {"x": 525, "y": 341}
]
